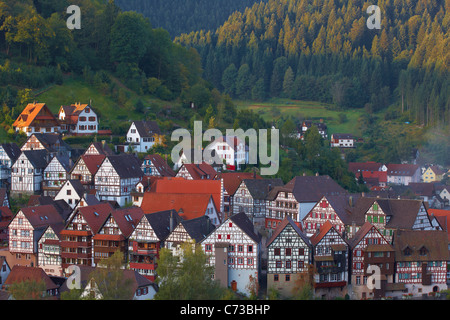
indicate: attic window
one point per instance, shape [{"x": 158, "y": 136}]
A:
[
  {"x": 96, "y": 214},
  {"x": 423, "y": 251},
  {"x": 407, "y": 251}
]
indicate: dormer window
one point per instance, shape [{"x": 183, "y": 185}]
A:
[
  {"x": 407, "y": 251},
  {"x": 423, "y": 251}
]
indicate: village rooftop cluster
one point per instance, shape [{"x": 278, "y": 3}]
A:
[{"x": 84, "y": 205}]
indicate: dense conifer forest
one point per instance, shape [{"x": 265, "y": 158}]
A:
[{"x": 322, "y": 50}]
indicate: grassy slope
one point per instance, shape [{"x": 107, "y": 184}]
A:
[{"x": 306, "y": 110}]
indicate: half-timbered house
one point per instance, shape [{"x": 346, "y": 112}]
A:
[
  {"x": 199, "y": 171},
  {"x": 36, "y": 117},
  {"x": 50, "y": 142},
  {"x": 26, "y": 228},
  {"x": 370, "y": 248},
  {"x": 289, "y": 256},
  {"x": 78, "y": 119},
  {"x": 251, "y": 197},
  {"x": 155, "y": 165},
  {"x": 116, "y": 178},
  {"x": 387, "y": 215},
  {"x": 188, "y": 231},
  {"x": 85, "y": 169},
  {"x": 96, "y": 148},
  {"x": 114, "y": 233},
  {"x": 231, "y": 181},
  {"x": 333, "y": 208},
  {"x": 421, "y": 259},
  {"x": 281, "y": 203},
  {"x": 330, "y": 252},
  {"x": 77, "y": 236},
  {"x": 9, "y": 152},
  {"x": 72, "y": 191},
  {"x": 55, "y": 175},
  {"x": 148, "y": 238},
  {"x": 27, "y": 172},
  {"x": 49, "y": 251},
  {"x": 234, "y": 252},
  {"x": 187, "y": 205}
]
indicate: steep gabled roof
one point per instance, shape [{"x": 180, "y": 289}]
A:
[
  {"x": 42, "y": 216},
  {"x": 200, "y": 171},
  {"x": 188, "y": 205},
  {"x": 21, "y": 273},
  {"x": 260, "y": 188},
  {"x": 184, "y": 186},
  {"x": 126, "y": 165},
  {"x": 244, "y": 223},
  {"x": 147, "y": 128},
  {"x": 163, "y": 222},
  {"x": 232, "y": 180},
  {"x": 34, "y": 111},
  {"x": 96, "y": 215},
  {"x": 38, "y": 158},
  {"x": 92, "y": 162},
  {"x": 12, "y": 150},
  {"x": 312, "y": 188},
  {"x": 161, "y": 165},
  {"x": 288, "y": 221},
  {"x": 434, "y": 241},
  {"x": 198, "y": 228},
  {"x": 127, "y": 219},
  {"x": 394, "y": 169}
]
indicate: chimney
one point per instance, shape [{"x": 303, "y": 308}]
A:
[
  {"x": 171, "y": 221},
  {"x": 317, "y": 174}
]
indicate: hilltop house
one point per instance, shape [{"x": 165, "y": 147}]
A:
[
  {"x": 342, "y": 140},
  {"x": 37, "y": 117},
  {"x": 78, "y": 119}
]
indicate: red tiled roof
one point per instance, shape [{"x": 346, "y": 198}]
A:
[
  {"x": 200, "y": 171},
  {"x": 364, "y": 166},
  {"x": 232, "y": 180},
  {"x": 96, "y": 215},
  {"x": 34, "y": 111},
  {"x": 395, "y": 169},
  {"x": 93, "y": 161},
  {"x": 44, "y": 215},
  {"x": 191, "y": 205},
  {"x": 22, "y": 273},
  {"x": 184, "y": 186}
]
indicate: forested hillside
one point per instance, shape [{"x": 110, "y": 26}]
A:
[
  {"x": 183, "y": 16},
  {"x": 323, "y": 51},
  {"x": 37, "y": 50}
]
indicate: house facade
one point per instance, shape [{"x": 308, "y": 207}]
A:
[
  {"x": 116, "y": 178},
  {"x": 49, "y": 252},
  {"x": 331, "y": 253},
  {"x": 421, "y": 261},
  {"x": 36, "y": 117},
  {"x": 142, "y": 135},
  {"x": 147, "y": 239},
  {"x": 27, "y": 172},
  {"x": 233, "y": 250},
  {"x": 78, "y": 119},
  {"x": 369, "y": 247},
  {"x": 55, "y": 175},
  {"x": 9, "y": 152},
  {"x": 342, "y": 140},
  {"x": 289, "y": 258}
]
